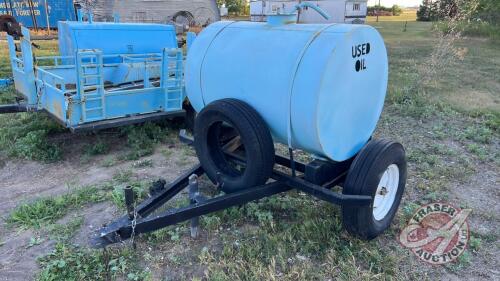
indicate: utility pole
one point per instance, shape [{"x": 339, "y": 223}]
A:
[
  {"x": 47, "y": 17},
  {"x": 378, "y": 9}
]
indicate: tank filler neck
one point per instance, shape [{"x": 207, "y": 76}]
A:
[{"x": 291, "y": 16}]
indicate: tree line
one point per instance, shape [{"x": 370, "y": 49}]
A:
[
  {"x": 395, "y": 10},
  {"x": 235, "y": 7},
  {"x": 483, "y": 10}
]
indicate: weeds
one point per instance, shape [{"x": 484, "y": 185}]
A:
[
  {"x": 123, "y": 176},
  {"x": 34, "y": 241},
  {"x": 72, "y": 263},
  {"x": 291, "y": 248},
  {"x": 142, "y": 139},
  {"x": 36, "y": 147},
  {"x": 492, "y": 120},
  {"x": 26, "y": 135},
  {"x": 478, "y": 150},
  {"x": 98, "y": 148},
  {"x": 480, "y": 134},
  {"x": 140, "y": 191},
  {"x": 109, "y": 162},
  {"x": 64, "y": 232},
  {"x": 167, "y": 152},
  {"x": 48, "y": 210},
  {"x": 481, "y": 29},
  {"x": 409, "y": 210},
  {"x": 8, "y": 95},
  {"x": 474, "y": 243}
]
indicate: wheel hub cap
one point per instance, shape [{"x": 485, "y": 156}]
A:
[{"x": 386, "y": 192}]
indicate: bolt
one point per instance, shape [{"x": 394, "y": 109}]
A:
[{"x": 383, "y": 191}]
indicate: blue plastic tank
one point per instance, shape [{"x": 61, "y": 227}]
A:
[{"x": 320, "y": 88}]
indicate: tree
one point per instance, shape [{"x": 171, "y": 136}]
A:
[
  {"x": 427, "y": 11},
  {"x": 432, "y": 10},
  {"x": 396, "y": 10},
  {"x": 488, "y": 11},
  {"x": 449, "y": 8},
  {"x": 237, "y": 7}
]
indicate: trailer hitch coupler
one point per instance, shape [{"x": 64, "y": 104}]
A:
[{"x": 130, "y": 201}]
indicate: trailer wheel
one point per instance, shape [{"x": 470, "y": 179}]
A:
[
  {"x": 379, "y": 170},
  {"x": 231, "y": 126}
]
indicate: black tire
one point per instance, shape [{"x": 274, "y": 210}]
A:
[
  {"x": 363, "y": 178},
  {"x": 257, "y": 148}
]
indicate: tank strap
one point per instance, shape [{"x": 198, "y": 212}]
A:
[{"x": 297, "y": 64}]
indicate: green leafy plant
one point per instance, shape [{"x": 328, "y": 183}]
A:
[
  {"x": 46, "y": 210},
  {"x": 26, "y": 135},
  {"x": 72, "y": 263}
]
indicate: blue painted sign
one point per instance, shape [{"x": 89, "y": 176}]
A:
[{"x": 27, "y": 10}]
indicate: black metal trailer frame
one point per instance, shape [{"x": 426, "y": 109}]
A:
[{"x": 316, "y": 178}]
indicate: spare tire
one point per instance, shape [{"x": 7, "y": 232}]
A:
[{"x": 234, "y": 145}]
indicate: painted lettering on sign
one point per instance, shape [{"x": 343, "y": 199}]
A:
[
  {"x": 358, "y": 53},
  {"x": 21, "y": 8}
]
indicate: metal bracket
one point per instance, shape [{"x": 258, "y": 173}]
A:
[{"x": 17, "y": 107}]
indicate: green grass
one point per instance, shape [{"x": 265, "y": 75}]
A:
[
  {"x": 482, "y": 29},
  {"x": 468, "y": 83},
  {"x": 97, "y": 148},
  {"x": 449, "y": 127},
  {"x": 27, "y": 135},
  {"x": 47, "y": 48},
  {"x": 8, "y": 95},
  {"x": 141, "y": 189},
  {"x": 64, "y": 232},
  {"x": 287, "y": 237},
  {"x": 407, "y": 15},
  {"x": 290, "y": 236},
  {"x": 142, "y": 139},
  {"x": 47, "y": 210},
  {"x": 68, "y": 262}
]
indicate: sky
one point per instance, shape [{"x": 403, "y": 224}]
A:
[{"x": 402, "y": 3}]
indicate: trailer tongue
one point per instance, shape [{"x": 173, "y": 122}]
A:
[{"x": 143, "y": 218}]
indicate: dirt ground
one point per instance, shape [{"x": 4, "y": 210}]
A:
[{"x": 23, "y": 181}]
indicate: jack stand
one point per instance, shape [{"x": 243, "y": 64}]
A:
[
  {"x": 193, "y": 195},
  {"x": 130, "y": 201}
]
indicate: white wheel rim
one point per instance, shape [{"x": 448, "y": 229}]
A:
[{"x": 386, "y": 192}]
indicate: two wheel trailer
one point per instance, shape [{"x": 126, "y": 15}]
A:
[
  {"x": 372, "y": 186},
  {"x": 318, "y": 88}
]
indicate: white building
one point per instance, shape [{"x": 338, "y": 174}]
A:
[
  {"x": 340, "y": 11},
  {"x": 199, "y": 12}
]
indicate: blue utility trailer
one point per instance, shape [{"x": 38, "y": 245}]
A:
[{"x": 100, "y": 83}]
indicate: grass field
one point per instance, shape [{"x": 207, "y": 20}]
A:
[
  {"x": 449, "y": 126},
  {"x": 407, "y": 15}
]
